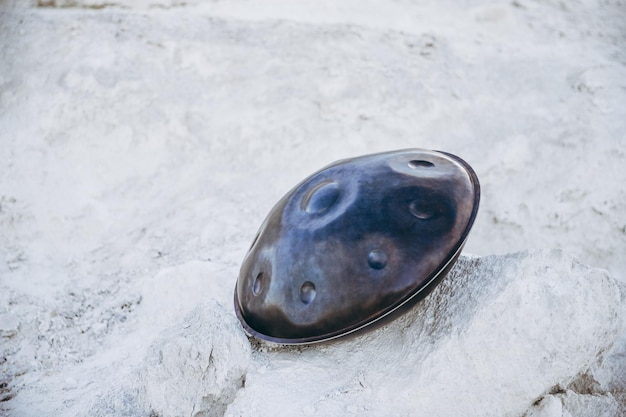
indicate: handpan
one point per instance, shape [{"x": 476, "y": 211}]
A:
[{"x": 355, "y": 244}]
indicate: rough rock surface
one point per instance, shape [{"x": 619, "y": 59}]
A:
[
  {"x": 495, "y": 336},
  {"x": 193, "y": 368},
  {"x": 196, "y": 367},
  {"x": 500, "y": 336}
]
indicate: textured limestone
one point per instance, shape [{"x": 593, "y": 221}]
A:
[{"x": 495, "y": 336}]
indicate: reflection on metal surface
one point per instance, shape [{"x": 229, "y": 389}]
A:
[{"x": 355, "y": 244}]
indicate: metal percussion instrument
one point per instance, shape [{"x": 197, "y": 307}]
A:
[{"x": 355, "y": 244}]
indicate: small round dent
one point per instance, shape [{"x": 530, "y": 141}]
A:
[
  {"x": 257, "y": 285},
  {"x": 420, "y": 163},
  {"x": 307, "y": 292},
  {"x": 321, "y": 197},
  {"x": 377, "y": 259},
  {"x": 420, "y": 210}
]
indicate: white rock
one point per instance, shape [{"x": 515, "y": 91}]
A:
[
  {"x": 550, "y": 406},
  {"x": 180, "y": 288},
  {"x": 581, "y": 405},
  {"x": 495, "y": 336},
  {"x": 572, "y": 404},
  {"x": 9, "y": 325},
  {"x": 196, "y": 367}
]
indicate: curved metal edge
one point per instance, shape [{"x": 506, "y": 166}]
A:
[{"x": 397, "y": 308}]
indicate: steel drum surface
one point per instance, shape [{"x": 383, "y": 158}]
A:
[{"x": 355, "y": 244}]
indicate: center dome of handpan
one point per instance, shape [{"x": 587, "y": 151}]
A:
[{"x": 355, "y": 244}]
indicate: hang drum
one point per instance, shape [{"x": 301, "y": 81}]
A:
[{"x": 355, "y": 244}]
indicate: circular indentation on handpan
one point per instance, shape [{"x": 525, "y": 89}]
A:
[
  {"x": 377, "y": 259},
  {"x": 321, "y": 197},
  {"x": 257, "y": 285},
  {"x": 307, "y": 292},
  {"x": 356, "y": 244},
  {"x": 420, "y": 210},
  {"x": 420, "y": 163}
]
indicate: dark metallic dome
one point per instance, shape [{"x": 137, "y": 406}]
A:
[{"x": 355, "y": 244}]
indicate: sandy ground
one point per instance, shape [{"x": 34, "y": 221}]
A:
[{"x": 144, "y": 142}]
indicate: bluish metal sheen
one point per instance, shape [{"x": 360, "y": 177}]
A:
[{"x": 355, "y": 244}]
